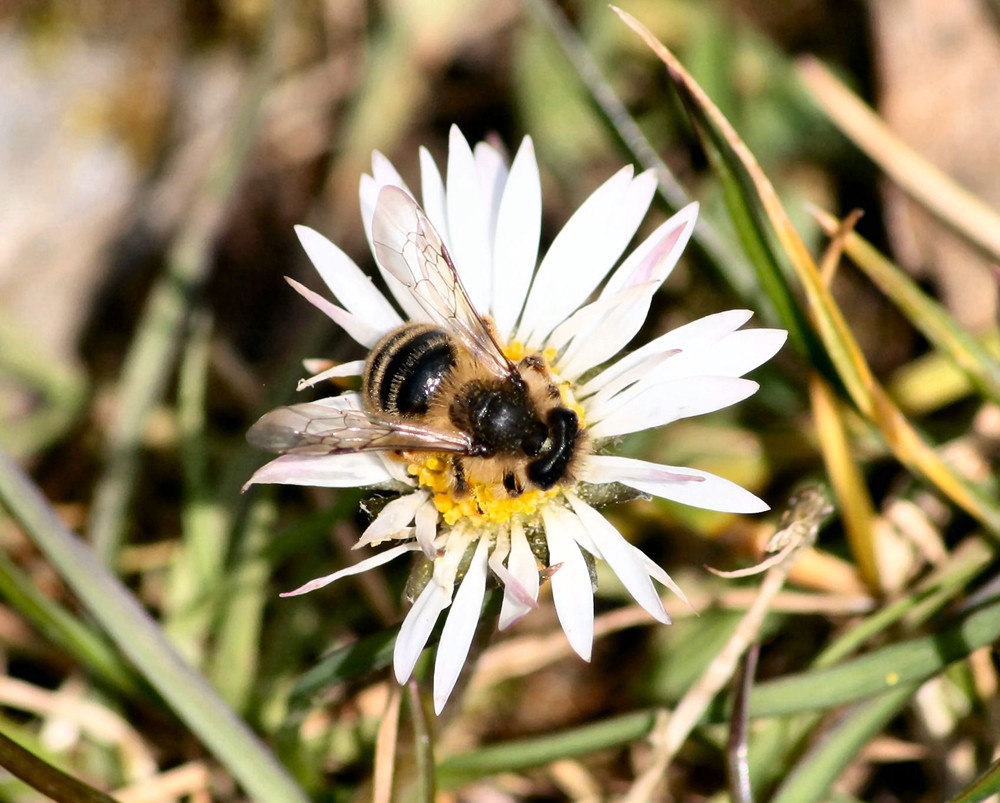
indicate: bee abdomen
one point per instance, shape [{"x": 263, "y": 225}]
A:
[{"x": 407, "y": 368}]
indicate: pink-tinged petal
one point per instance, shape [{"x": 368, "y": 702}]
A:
[
  {"x": 644, "y": 406},
  {"x": 417, "y": 627},
  {"x": 620, "y": 556},
  {"x": 518, "y": 231},
  {"x": 433, "y": 195},
  {"x": 426, "y": 529},
  {"x": 395, "y": 516},
  {"x": 572, "y": 591},
  {"x": 696, "y": 334},
  {"x": 360, "y": 330},
  {"x": 689, "y": 486},
  {"x": 467, "y": 222},
  {"x": 656, "y": 257},
  {"x": 352, "y": 368},
  {"x": 625, "y": 315},
  {"x": 362, "y": 566},
  {"x": 325, "y": 471},
  {"x": 347, "y": 282},
  {"x": 460, "y": 627},
  {"x": 520, "y": 593},
  {"x": 368, "y": 192},
  {"x": 580, "y": 256}
]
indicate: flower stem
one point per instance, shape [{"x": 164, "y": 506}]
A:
[{"x": 423, "y": 743}]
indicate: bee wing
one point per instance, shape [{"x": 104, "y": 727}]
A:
[
  {"x": 318, "y": 429},
  {"x": 409, "y": 247}
]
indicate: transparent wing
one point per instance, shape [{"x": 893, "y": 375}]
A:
[
  {"x": 319, "y": 429},
  {"x": 408, "y": 246}
]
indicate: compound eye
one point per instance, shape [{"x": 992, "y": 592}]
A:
[{"x": 534, "y": 439}]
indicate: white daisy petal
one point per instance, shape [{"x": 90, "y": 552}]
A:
[
  {"x": 703, "y": 331},
  {"x": 385, "y": 174},
  {"x": 467, "y": 222},
  {"x": 362, "y": 566},
  {"x": 433, "y": 195},
  {"x": 364, "y": 333},
  {"x": 518, "y": 230},
  {"x": 620, "y": 556},
  {"x": 656, "y": 257},
  {"x": 368, "y": 192},
  {"x": 460, "y": 626},
  {"x": 426, "y": 529},
  {"x": 732, "y": 355},
  {"x": 492, "y": 169},
  {"x": 395, "y": 516},
  {"x": 396, "y": 469},
  {"x": 588, "y": 319},
  {"x": 644, "y": 406},
  {"x": 580, "y": 256},
  {"x": 572, "y": 592},
  {"x": 689, "y": 486},
  {"x": 627, "y": 378},
  {"x": 352, "y": 368},
  {"x": 417, "y": 627},
  {"x": 662, "y": 577},
  {"x": 520, "y": 593},
  {"x": 324, "y": 471},
  {"x": 626, "y": 312},
  {"x": 347, "y": 282}
]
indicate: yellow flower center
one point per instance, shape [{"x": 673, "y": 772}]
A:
[{"x": 486, "y": 503}]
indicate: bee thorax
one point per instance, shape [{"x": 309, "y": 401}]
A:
[{"x": 499, "y": 418}]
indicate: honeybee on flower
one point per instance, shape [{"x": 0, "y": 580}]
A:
[{"x": 489, "y": 399}]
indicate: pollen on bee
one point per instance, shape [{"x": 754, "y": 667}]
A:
[{"x": 568, "y": 400}]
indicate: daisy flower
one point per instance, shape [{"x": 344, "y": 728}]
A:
[{"x": 500, "y": 482}]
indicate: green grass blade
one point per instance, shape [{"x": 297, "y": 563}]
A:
[
  {"x": 195, "y": 579},
  {"x": 40, "y": 775},
  {"x": 364, "y": 655},
  {"x": 61, "y": 389},
  {"x": 879, "y": 671},
  {"x": 142, "y": 641},
  {"x": 66, "y": 631},
  {"x": 926, "y": 314},
  {"x": 236, "y": 659},
  {"x": 816, "y": 772},
  {"x": 526, "y": 753},
  {"x": 985, "y": 785}
]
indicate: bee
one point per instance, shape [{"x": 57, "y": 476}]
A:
[{"x": 442, "y": 386}]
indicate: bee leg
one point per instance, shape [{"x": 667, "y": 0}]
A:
[
  {"x": 458, "y": 474},
  {"x": 510, "y": 482}
]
